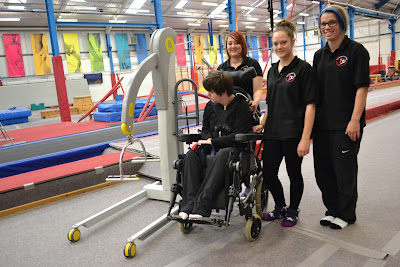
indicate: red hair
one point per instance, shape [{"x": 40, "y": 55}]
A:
[{"x": 238, "y": 37}]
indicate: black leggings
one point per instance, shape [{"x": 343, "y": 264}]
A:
[{"x": 273, "y": 153}]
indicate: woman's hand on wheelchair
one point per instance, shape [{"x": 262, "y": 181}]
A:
[
  {"x": 253, "y": 106},
  {"x": 205, "y": 142},
  {"x": 258, "y": 128}
]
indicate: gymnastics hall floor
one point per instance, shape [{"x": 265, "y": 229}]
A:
[{"x": 38, "y": 236}]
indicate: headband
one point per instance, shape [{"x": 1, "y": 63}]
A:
[{"x": 338, "y": 15}]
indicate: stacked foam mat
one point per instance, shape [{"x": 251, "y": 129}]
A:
[
  {"x": 14, "y": 115},
  {"x": 111, "y": 112}
]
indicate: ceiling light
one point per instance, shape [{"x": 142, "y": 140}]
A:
[
  {"x": 185, "y": 13},
  {"x": 116, "y": 21},
  {"x": 301, "y": 22},
  {"x": 304, "y": 14},
  {"x": 134, "y": 11},
  {"x": 218, "y": 9},
  {"x": 224, "y": 26},
  {"x": 17, "y": 1},
  {"x": 10, "y": 19},
  {"x": 315, "y": 2},
  {"x": 220, "y": 16},
  {"x": 82, "y": 1},
  {"x": 137, "y": 4},
  {"x": 86, "y": 7},
  {"x": 209, "y": 4},
  {"x": 276, "y": 11},
  {"x": 250, "y": 27},
  {"x": 247, "y": 7},
  {"x": 268, "y": 20},
  {"x": 194, "y": 24},
  {"x": 259, "y": 4},
  {"x": 253, "y": 19},
  {"x": 289, "y": 6},
  {"x": 16, "y": 7},
  {"x": 181, "y": 4},
  {"x": 67, "y": 20}
]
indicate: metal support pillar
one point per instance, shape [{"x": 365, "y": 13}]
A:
[
  {"x": 231, "y": 10},
  {"x": 351, "y": 13},
  {"x": 58, "y": 68}
]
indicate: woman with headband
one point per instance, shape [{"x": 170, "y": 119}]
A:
[{"x": 342, "y": 66}]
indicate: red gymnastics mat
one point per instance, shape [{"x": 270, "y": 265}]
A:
[
  {"x": 54, "y": 130},
  {"x": 37, "y": 176}
]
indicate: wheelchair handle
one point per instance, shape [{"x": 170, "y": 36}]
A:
[
  {"x": 248, "y": 73},
  {"x": 248, "y": 137}
]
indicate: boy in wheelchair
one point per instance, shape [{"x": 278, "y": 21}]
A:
[{"x": 206, "y": 170}]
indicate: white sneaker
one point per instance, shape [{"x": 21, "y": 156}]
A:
[
  {"x": 183, "y": 215},
  {"x": 195, "y": 217},
  {"x": 338, "y": 223},
  {"x": 327, "y": 220}
]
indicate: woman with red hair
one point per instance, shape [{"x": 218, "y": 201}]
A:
[{"x": 236, "y": 48}]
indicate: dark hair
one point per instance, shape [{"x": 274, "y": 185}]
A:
[
  {"x": 219, "y": 81},
  {"x": 340, "y": 14},
  {"x": 286, "y": 26},
  {"x": 238, "y": 37}
]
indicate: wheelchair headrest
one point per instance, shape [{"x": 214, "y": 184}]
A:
[{"x": 248, "y": 73}]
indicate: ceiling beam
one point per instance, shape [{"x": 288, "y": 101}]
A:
[{"x": 381, "y": 4}]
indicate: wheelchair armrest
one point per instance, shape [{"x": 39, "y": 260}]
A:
[
  {"x": 189, "y": 138},
  {"x": 248, "y": 137}
]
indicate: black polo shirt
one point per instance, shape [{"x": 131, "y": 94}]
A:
[
  {"x": 340, "y": 74},
  {"x": 288, "y": 94},
  {"x": 247, "y": 85}
]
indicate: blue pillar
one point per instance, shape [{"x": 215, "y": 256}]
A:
[
  {"x": 190, "y": 51},
  {"x": 52, "y": 28},
  {"x": 304, "y": 39},
  {"x": 221, "y": 47},
  {"x": 109, "y": 50},
  {"x": 248, "y": 45},
  {"x": 232, "y": 15},
  {"x": 158, "y": 13},
  {"x": 392, "y": 28},
  {"x": 321, "y": 7},
  {"x": 283, "y": 13},
  {"x": 351, "y": 21},
  {"x": 270, "y": 47}
]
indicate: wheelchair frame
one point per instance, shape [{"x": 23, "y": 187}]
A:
[{"x": 257, "y": 196}]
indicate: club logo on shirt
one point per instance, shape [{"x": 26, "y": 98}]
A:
[
  {"x": 341, "y": 61},
  {"x": 290, "y": 77},
  {"x": 244, "y": 68}
]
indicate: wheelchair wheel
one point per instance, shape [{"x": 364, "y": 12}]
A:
[
  {"x": 253, "y": 228},
  {"x": 261, "y": 198},
  {"x": 185, "y": 227}
]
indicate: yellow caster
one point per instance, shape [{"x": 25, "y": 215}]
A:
[
  {"x": 130, "y": 250},
  {"x": 253, "y": 228},
  {"x": 74, "y": 235}
]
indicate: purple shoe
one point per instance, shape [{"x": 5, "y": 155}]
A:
[
  {"x": 291, "y": 218},
  {"x": 276, "y": 214}
]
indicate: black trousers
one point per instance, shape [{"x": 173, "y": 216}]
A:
[
  {"x": 201, "y": 187},
  {"x": 336, "y": 169},
  {"x": 273, "y": 153}
]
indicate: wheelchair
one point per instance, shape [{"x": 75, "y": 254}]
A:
[{"x": 247, "y": 168}]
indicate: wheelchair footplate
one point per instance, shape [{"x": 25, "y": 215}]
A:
[{"x": 203, "y": 220}]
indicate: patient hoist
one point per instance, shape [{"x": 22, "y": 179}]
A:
[{"x": 161, "y": 63}]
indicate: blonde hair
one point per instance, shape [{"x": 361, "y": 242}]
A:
[{"x": 286, "y": 26}]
